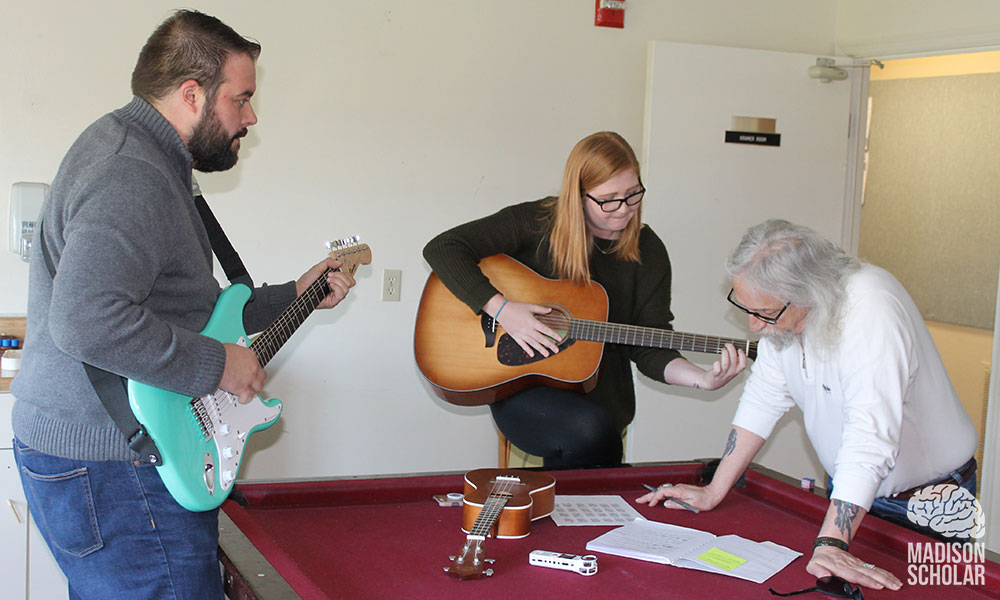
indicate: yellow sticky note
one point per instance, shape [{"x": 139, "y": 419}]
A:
[{"x": 722, "y": 559}]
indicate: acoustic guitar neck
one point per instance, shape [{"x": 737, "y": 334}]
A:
[{"x": 649, "y": 337}]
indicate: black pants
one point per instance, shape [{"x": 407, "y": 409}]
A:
[{"x": 564, "y": 428}]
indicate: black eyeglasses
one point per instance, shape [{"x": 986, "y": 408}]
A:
[
  {"x": 830, "y": 585},
  {"x": 771, "y": 320},
  {"x": 615, "y": 203}
]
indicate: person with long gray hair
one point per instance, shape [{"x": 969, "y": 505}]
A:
[{"x": 844, "y": 341}]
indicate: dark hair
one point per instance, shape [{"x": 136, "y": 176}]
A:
[{"x": 188, "y": 45}]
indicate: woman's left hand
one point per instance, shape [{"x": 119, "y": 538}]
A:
[{"x": 732, "y": 361}]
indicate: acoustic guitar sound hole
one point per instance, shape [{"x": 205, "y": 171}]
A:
[{"x": 510, "y": 354}]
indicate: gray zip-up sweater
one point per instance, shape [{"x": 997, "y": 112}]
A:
[{"x": 133, "y": 286}]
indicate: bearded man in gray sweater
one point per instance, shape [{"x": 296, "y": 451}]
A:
[{"x": 133, "y": 287}]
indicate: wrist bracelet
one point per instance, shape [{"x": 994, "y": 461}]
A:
[
  {"x": 499, "y": 309},
  {"x": 830, "y": 541}
]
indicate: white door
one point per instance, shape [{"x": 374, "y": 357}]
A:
[{"x": 703, "y": 193}]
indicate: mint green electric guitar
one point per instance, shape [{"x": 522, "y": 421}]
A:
[{"x": 201, "y": 440}]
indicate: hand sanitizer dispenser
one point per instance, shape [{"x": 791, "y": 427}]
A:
[{"x": 26, "y": 201}]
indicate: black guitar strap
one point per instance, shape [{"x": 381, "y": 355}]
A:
[
  {"x": 111, "y": 388},
  {"x": 231, "y": 262}
]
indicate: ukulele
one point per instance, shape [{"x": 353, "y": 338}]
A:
[{"x": 502, "y": 502}]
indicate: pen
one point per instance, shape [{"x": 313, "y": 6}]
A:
[{"x": 672, "y": 499}]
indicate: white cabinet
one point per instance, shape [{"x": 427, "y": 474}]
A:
[
  {"x": 13, "y": 527},
  {"x": 27, "y": 568}
]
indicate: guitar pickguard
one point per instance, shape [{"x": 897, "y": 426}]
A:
[
  {"x": 511, "y": 355},
  {"x": 227, "y": 423}
]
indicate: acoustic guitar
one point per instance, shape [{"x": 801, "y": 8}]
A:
[
  {"x": 470, "y": 361},
  {"x": 503, "y": 502}
]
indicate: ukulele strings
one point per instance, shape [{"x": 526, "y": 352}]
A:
[{"x": 498, "y": 497}]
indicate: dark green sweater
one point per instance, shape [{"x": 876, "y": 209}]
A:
[{"x": 638, "y": 293}]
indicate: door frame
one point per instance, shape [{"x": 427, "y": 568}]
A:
[{"x": 989, "y": 491}]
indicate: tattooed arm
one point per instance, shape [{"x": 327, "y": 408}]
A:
[
  {"x": 741, "y": 447},
  {"x": 841, "y": 523}
]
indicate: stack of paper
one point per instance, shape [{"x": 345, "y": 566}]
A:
[{"x": 693, "y": 549}]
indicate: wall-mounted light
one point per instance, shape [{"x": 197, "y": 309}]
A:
[{"x": 825, "y": 71}]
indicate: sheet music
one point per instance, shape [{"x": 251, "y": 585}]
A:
[
  {"x": 593, "y": 510},
  {"x": 694, "y": 549},
  {"x": 651, "y": 540}
]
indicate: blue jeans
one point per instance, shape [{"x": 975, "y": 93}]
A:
[
  {"x": 116, "y": 532},
  {"x": 894, "y": 509}
]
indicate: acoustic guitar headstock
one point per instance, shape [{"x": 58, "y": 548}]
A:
[
  {"x": 471, "y": 563},
  {"x": 351, "y": 252}
]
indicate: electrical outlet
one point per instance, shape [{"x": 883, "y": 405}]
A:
[{"x": 391, "y": 280}]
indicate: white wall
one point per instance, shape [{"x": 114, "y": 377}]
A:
[
  {"x": 387, "y": 118},
  {"x": 890, "y": 28}
]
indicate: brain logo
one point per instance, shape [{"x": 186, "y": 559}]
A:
[{"x": 949, "y": 510}]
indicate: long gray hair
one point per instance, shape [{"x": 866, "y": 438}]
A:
[{"x": 795, "y": 264}]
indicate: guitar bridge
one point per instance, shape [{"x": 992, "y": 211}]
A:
[{"x": 203, "y": 420}]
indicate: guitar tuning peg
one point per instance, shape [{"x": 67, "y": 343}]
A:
[
  {"x": 452, "y": 557},
  {"x": 490, "y": 560},
  {"x": 445, "y": 569},
  {"x": 343, "y": 242},
  {"x": 488, "y": 572}
]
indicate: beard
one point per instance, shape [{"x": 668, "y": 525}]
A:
[
  {"x": 781, "y": 339},
  {"x": 211, "y": 147}
]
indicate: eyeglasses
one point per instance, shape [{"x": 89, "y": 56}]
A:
[
  {"x": 615, "y": 203},
  {"x": 773, "y": 319},
  {"x": 830, "y": 585}
]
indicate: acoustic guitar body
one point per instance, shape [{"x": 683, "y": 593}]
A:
[
  {"x": 532, "y": 499},
  {"x": 467, "y": 366}
]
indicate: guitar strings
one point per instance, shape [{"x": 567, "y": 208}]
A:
[
  {"x": 267, "y": 344},
  {"x": 285, "y": 325},
  {"x": 271, "y": 340},
  {"x": 634, "y": 335}
]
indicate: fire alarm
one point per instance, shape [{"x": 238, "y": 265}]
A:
[{"x": 610, "y": 13}]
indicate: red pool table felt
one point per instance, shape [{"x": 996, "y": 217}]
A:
[{"x": 386, "y": 538}]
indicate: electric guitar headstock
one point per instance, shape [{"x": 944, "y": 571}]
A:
[
  {"x": 471, "y": 563},
  {"x": 351, "y": 252}
]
